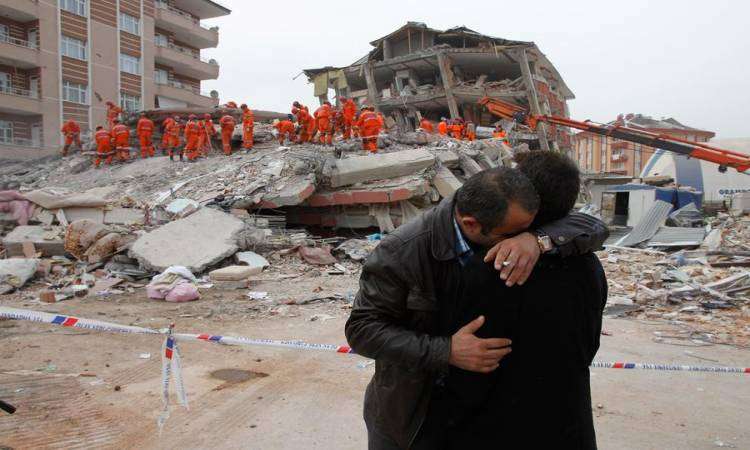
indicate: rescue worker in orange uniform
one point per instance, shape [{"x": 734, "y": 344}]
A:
[
  {"x": 369, "y": 125},
  {"x": 337, "y": 122},
  {"x": 426, "y": 126},
  {"x": 471, "y": 131},
  {"x": 348, "y": 112},
  {"x": 72, "y": 132},
  {"x": 286, "y": 129},
  {"x": 443, "y": 127},
  {"x": 164, "y": 135},
  {"x": 173, "y": 137},
  {"x": 121, "y": 137},
  {"x": 192, "y": 135},
  {"x": 323, "y": 116},
  {"x": 144, "y": 130},
  {"x": 456, "y": 129},
  {"x": 305, "y": 123},
  {"x": 227, "y": 129},
  {"x": 207, "y": 131},
  {"x": 113, "y": 113},
  {"x": 103, "y": 140},
  {"x": 248, "y": 122}
]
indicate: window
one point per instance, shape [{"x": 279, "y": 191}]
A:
[
  {"x": 130, "y": 102},
  {"x": 75, "y": 92},
  {"x": 72, "y": 47},
  {"x": 637, "y": 158},
  {"x": 130, "y": 24},
  {"x": 5, "y": 82},
  {"x": 161, "y": 40},
  {"x": 130, "y": 64},
  {"x": 4, "y": 32},
  {"x": 6, "y": 131},
  {"x": 74, "y": 6},
  {"x": 161, "y": 76}
]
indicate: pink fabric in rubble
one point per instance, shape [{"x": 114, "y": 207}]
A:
[{"x": 14, "y": 203}]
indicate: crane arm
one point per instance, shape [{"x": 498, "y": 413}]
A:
[{"x": 724, "y": 158}]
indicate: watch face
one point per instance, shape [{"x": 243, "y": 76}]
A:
[{"x": 545, "y": 243}]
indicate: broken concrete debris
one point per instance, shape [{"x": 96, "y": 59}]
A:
[{"x": 360, "y": 169}]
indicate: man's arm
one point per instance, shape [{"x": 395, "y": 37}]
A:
[
  {"x": 573, "y": 235},
  {"x": 376, "y": 327}
]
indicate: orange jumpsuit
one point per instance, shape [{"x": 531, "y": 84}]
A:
[
  {"x": 164, "y": 134},
  {"x": 369, "y": 125},
  {"x": 248, "y": 122},
  {"x": 471, "y": 132},
  {"x": 306, "y": 125},
  {"x": 457, "y": 130},
  {"x": 349, "y": 110},
  {"x": 103, "y": 147},
  {"x": 192, "y": 132},
  {"x": 113, "y": 112},
  {"x": 172, "y": 130},
  {"x": 121, "y": 136},
  {"x": 72, "y": 132},
  {"x": 325, "y": 127},
  {"x": 443, "y": 128},
  {"x": 144, "y": 130},
  {"x": 426, "y": 126},
  {"x": 227, "y": 129},
  {"x": 207, "y": 131},
  {"x": 286, "y": 130}
]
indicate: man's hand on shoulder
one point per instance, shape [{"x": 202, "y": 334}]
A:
[
  {"x": 515, "y": 257},
  {"x": 474, "y": 354}
]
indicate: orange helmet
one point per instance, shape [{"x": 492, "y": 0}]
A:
[{"x": 207, "y": 116}]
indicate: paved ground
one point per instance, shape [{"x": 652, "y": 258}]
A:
[{"x": 289, "y": 399}]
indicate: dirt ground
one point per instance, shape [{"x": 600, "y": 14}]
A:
[{"x": 84, "y": 389}]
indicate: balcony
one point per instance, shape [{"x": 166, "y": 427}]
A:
[
  {"x": 619, "y": 157},
  {"x": 19, "y": 101},
  {"x": 20, "y": 10},
  {"x": 186, "y": 62},
  {"x": 18, "y": 53},
  {"x": 185, "y": 27},
  {"x": 203, "y": 9},
  {"x": 185, "y": 93}
]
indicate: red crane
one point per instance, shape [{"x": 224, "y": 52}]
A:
[{"x": 724, "y": 158}]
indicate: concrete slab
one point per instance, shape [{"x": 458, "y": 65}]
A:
[
  {"x": 448, "y": 159},
  {"x": 389, "y": 191},
  {"x": 290, "y": 192},
  {"x": 233, "y": 273},
  {"x": 469, "y": 166},
  {"x": 13, "y": 242},
  {"x": 445, "y": 182},
  {"x": 78, "y": 213},
  {"x": 359, "y": 169},
  {"x": 251, "y": 259},
  {"x": 202, "y": 239},
  {"x": 123, "y": 216}
]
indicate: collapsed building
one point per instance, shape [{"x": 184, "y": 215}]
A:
[{"x": 417, "y": 71}]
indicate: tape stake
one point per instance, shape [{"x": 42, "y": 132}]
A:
[{"x": 171, "y": 367}]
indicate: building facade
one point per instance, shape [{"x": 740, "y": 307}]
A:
[
  {"x": 418, "y": 71},
  {"x": 65, "y": 59},
  {"x": 602, "y": 154}
]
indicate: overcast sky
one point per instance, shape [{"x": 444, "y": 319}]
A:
[{"x": 684, "y": 59}]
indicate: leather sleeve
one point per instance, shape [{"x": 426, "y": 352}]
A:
[
  {"x": 576, "y": 234},
  {"x": 378, "y": 325}
]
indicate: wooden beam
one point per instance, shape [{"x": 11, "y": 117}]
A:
[
  {"x": 446, "y": 74},
  {"x": 541, "y": 129}
]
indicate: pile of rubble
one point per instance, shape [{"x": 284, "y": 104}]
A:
[{"x": 706, "y": 288}]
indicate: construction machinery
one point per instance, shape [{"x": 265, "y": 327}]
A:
[{"x": 699, "y": 150}]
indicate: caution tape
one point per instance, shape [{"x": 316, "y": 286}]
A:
[
  {"x": 171, "y": 368},
  {"x": 77, "y": 322}
]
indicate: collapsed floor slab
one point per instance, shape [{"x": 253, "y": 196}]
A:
[
  {"x": 202, "y": 239},
  {"x": 359, "y": 169},
  {"x": 387, "y": 191},
  {"x": 48, "y": 242}
]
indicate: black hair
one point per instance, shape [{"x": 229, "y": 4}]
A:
[
  {"x": 486, "y": 196},
  {"x": 556, "y": 179}
]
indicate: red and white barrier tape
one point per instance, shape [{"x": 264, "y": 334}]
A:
[{"x": 35, "y": 316}]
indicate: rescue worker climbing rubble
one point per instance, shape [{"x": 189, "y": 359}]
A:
[
  {"x": 348, "y": 111},
  {"x": 207, "y": 131},
  {"x": 113, "y": 113},
  {"x": 121, "y": 137},
  {"x": 248, "y": 123},
  {"x": 173, "y": 137},
  {"x": 103, "y": 140},
  {"x": 192, "y": 132},
  {"x": 323, "y": 121},
  {"x": 426, "y": 126},
  {"x": 443, "y": 127},
  {"x": 285, "y": 129},
  {"x": 227, "y": 129},
  {"x": 369, "y": 125},
  {"x": 72, "y": 133},
  {"x": 145, "y": 130}
]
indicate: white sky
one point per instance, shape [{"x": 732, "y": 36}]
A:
[{"x": 684, "y": 59}]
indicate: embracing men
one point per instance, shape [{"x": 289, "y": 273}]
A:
[{"x": 469, "y": 359}]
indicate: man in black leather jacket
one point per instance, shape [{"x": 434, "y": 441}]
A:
[{"x": 417, "y": 271}]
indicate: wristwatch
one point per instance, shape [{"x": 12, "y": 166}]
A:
[{"x": 544, "y": 242}]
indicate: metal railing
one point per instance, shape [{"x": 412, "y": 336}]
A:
[
  {"x": 15, "y": 41},
  {"x": 183, "y": 86},
  {"x": 10, "y": 90},
  {"x": 188, "y": 52},
  {"x": 165, "y": 6}
]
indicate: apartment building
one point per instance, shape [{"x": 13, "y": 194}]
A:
[
  {"x": 65, "y": 59},
  {"x": 603, "y": 154}
]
